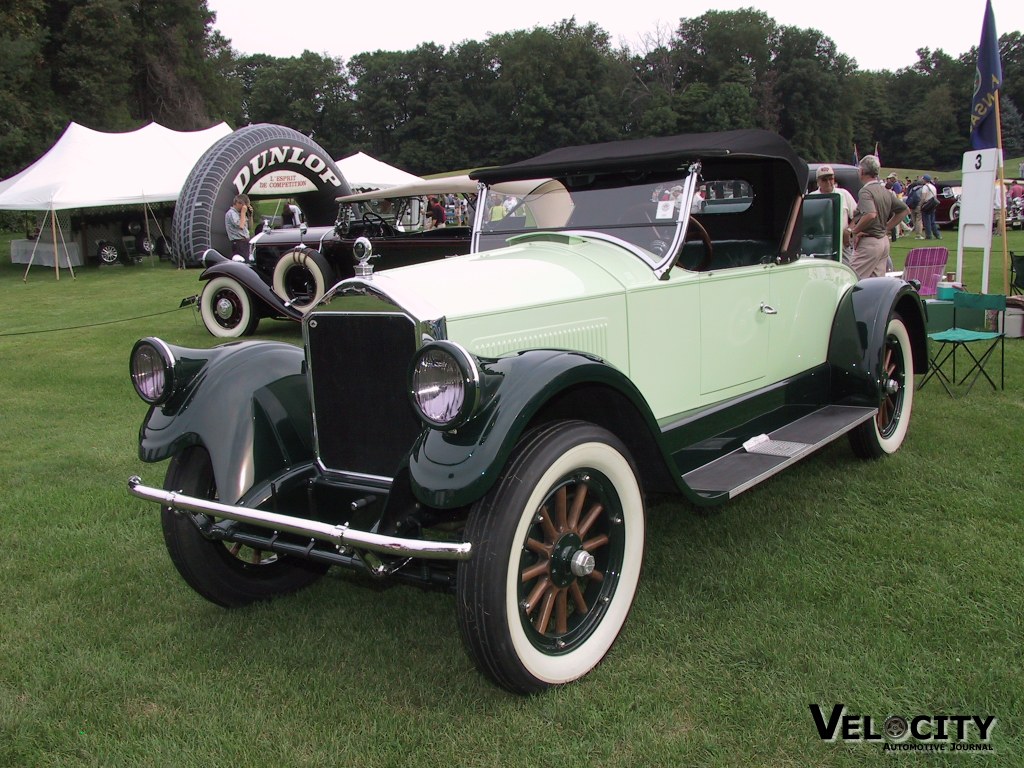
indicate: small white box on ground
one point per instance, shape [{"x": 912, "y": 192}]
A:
[{"x": 1014, "y": 323}]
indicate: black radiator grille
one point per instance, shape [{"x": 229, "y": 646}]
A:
[{"x": 359, "y": 366}]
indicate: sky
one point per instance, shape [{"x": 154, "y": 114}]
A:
[{"x": 342, "y": 29}]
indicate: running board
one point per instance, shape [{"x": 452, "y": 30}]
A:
[{"x": 765, "y": 456}]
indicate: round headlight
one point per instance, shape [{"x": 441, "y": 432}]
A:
[
  {"x": 152, "y": 369},
  {"x": 444, "y": 384}
]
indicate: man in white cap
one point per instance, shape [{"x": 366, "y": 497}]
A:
[{"x": 826, "y": 178}]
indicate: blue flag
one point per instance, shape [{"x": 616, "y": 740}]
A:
[{"x": 987, "y": 79}]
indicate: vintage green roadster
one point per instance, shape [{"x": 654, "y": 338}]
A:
[{"x": 660, "y": 315}]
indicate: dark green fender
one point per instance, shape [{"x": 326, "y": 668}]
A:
[
  {"x": 855, "y": 353},
  {"x": 452, "y": 469},
  {"x": 253, "y": 415}
]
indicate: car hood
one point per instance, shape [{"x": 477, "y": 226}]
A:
[
  {"x": 539, "y": 273},
  {"x": 556, "y": 292}
]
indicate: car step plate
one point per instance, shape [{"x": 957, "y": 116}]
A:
[{"x": 769, "y": 454}]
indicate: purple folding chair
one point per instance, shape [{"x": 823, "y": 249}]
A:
[{"x": 926, "y": 265}]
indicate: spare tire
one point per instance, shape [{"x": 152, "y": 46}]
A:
[
  {"x": 302, "y": 276},
  {"x": 235, "y": 165}
]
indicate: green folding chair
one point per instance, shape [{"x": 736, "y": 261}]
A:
[
  {"x": 956, "y": 338},
  {"x": 1016, "y": 274}
]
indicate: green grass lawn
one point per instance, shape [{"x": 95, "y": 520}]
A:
[{"x": 893, "y": 587}]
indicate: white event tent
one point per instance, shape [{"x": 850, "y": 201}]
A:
[
  {"x": 363, "y": 172},
  {"x": 89, "y": 169}
]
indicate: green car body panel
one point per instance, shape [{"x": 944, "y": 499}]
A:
[{"x": 246, "y": 402}]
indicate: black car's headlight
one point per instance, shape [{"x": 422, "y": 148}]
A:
[
  {"x": 152, "y": 369},
  {"x": 444, "y": 384}
]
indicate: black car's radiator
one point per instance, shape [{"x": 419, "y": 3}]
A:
[{"x": 359, "y": 366}]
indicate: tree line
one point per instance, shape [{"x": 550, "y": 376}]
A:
[{"x": 115, "y": 65}]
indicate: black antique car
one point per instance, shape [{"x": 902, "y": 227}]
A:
[
  {"x": 493, "y": 424},
  {"x": 298, "y": 264},
  {"x": 947, "y": 215}
]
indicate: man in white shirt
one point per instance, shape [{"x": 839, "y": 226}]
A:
[
  {"x": 826, "y": 178},
  {"x": 928, "y": 194}
]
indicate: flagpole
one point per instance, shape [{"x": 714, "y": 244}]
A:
[{"x": 1002, "y": 200}]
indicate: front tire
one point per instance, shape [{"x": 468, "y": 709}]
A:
[
  {"x": 302, "y": 276},
  {"x": 227, "y": 308},
  {"x": 885, "y": 433},
  {"x": 557, "y": 551},
  {"x": 225, "y": 573}
]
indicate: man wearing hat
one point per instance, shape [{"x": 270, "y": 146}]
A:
[
  {"x": 892, "y": 181},
  {"x": 826, "y": 178},
  {"x": 929, "y": 202},
  {"x": 878, "y": 211}
]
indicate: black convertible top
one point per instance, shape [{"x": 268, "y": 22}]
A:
[{"x": 638, "y": 154}]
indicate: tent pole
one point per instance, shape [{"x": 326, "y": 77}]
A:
[
  {"x": 67, "y": 253},
  {"x": 146, "y": 213},
  {"x": 32, "y": 256},
  {"x": 56, "y": 253}
]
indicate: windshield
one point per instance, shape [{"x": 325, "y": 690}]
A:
[{"x": 642, "y": 211}]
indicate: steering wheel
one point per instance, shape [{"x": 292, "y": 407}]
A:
[
  {"x": 705, "y": 263},
  {"x": 638, "y": 214},
  {"x": 375, "y": 218}
]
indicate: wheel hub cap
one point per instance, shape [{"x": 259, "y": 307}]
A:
[
  {"x": 224, "y": 309},
  {"x": 892, "y": 387},
  {"x": 582, "y": 563},
  {"x": 563, "y": 560}
]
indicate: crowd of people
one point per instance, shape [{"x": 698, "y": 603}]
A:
[{"x": 889, "y": 208}]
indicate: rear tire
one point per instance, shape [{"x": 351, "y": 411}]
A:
[
  {"x": 224, "y": 573},
  {"x": 885, "y": 433}
]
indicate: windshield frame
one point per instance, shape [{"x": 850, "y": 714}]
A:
[{"x": 490, "y": 234}]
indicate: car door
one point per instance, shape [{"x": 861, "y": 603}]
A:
[
  {"x": 734, "y": 328},
  {"x": 804, "y": 295}
]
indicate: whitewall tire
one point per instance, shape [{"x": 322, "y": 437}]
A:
[
  {"x": 227, "y": 308},
  {"x": 557, "y": 551}
]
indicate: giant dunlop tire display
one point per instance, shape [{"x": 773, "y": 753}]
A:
[{"x": 235, "y": 165}]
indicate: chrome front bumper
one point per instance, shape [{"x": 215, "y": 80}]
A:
[{"x": 339, "y": 535}]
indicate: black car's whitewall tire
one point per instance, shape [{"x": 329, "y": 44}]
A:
[
  {"x": 227, "y": 308},
  {"x": 224, "y": 573},
  {"x": 302, "y": 276},
  {"x": 885, "y": 433},
  {"x": 570, "y": 492}
]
